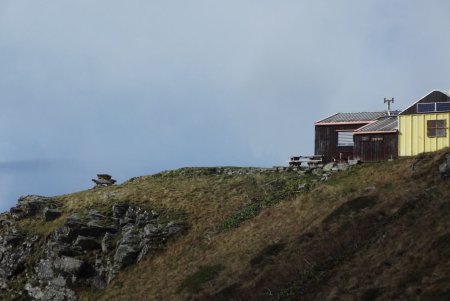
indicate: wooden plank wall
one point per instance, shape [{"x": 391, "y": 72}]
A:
[
  {"x": 326, "y": 141},
  {"x": 376, "y": 147}
]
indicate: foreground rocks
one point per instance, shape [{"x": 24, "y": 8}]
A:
[{"x": 88, "y": 248}]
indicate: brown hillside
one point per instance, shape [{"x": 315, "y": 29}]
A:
[{"x": 375, "y": 232}]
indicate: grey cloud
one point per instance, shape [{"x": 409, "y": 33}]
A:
[{"x": 135, "y": 87}]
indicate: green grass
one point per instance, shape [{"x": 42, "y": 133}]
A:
[
  {"x": 246, "y": 213},
  {"x": 277, "y": 189}
]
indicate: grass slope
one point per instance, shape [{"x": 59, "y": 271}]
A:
[{"x": 375, "y": 232}]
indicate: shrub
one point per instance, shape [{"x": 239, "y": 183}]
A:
[
  {"x": 242, "y": 215},
  {"x": 274, "y": 192}
]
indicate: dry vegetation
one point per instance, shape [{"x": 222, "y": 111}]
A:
[{"x": 376, "y": 232}]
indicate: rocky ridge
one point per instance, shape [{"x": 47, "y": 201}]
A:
[{"x": 88, "y": 248}]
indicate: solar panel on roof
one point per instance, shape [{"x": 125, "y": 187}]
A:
[
  {"x": 443, "y": 107},
  {"x": 426, "y": 107}
]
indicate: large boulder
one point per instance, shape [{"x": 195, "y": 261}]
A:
[
  {"x": 87, "y": 243},
  {"x": 151, "y": 230},
  {"x": 125, "y": 255},
  {"x": 72, "y": 266}
]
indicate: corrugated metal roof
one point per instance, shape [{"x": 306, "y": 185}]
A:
[
  {"x": 353, "y": 117},
  {"x": 383, "y": 124}
]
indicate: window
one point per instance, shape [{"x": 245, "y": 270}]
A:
[
  {"x": 437, "y": 128},
  {"x": 345, "y": 138}
]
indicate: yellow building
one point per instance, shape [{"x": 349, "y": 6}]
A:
[{"x": 424, "y": 126}]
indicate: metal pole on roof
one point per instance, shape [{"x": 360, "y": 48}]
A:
[{"x": 389, "y": 101}]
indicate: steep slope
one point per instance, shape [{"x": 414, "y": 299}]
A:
[{"x": 374, "y": 232}]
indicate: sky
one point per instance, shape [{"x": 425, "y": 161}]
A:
[{"x": 134, "y": 87}]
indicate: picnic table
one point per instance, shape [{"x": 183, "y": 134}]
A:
[
  {"x": 103, "y": 180},
  {"x": 314, "y": 160}
]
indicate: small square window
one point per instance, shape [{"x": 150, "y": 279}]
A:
[{"x": 437, "y": 128}]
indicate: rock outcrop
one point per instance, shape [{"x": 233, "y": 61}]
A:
[{"x": 88, "y": 249}]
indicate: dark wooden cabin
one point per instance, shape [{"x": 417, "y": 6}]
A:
[
  {"x": 377, "y": 141},
  {"x": 334, "y": 134}
]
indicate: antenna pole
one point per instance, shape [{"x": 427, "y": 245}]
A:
[{"x": 389, "y": 101}]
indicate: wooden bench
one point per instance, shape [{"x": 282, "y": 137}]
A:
[{"x": 103, "y": 180}]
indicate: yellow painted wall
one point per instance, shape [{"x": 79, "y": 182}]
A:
[{"x": 412, "y": 136}]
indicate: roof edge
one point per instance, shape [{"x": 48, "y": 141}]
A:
[
  {"x": 365, "y": 122},
  {"x": 326, "y": 117},
  {"x": 375, "y": 132}
]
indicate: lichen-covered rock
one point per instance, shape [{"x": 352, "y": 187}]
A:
[
  {"x": 15, "y": 247},
  {"x": 151, "y": 229},
  {"x": 130, "y": 235},
  {"x": 107, "y": 242},
  {"x": 72, "y": 266},
  {"x": 55, "y": 290},
  {"x": 44, "y": 269},
  {"x": 125, "y": 255}
]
